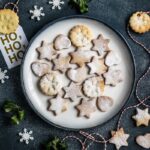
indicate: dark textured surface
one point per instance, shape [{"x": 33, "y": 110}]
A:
[{"x": 114, "y": 13}]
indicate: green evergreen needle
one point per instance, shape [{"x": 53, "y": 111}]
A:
[
  {"x": 15, "y": 120},
  {"x": 81, "y": 4},
  {"x": 56, "y": 144},
  {"x": 21, "y": 114},
  {"x": 16, "y": 111},
  {"x": 10, "y": 106}
]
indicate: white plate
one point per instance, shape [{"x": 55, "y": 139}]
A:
[{"x": 69, "y": 119}]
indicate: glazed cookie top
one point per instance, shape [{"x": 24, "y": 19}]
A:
[
  {"x": 62, "y": 42},
  {"x": 50, "y": 84},
  {"x": 9, "y": 21},
  {"x": 80, "y": 35},
  {"x": 93, "y": 87},
  {"x": 140, "y": 22}
]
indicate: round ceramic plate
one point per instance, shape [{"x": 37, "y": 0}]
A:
[{"x": 69, "y": 119}]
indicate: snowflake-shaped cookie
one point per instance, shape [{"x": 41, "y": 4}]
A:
[
  {"x": 37, "y": 13},
  {"x": 56, "y": 4},
  {"x": 26, "y": 136},
  {"x": 3, "y": 76}
]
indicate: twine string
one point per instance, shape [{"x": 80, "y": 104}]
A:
[
  {"x": 137, "y": 86},
  {"x": 136, "y": 41},
  {"x": 91, "y": 137},
  {"x": 15, "y": 6},
  {"x": 76, "y": 138}
]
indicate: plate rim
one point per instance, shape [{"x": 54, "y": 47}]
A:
[{"x": 73, "y": 17}]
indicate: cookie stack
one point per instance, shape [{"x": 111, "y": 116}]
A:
[{"x": 74, "y": 70}]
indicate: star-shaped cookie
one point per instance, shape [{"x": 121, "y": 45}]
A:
[
  {"x": 58, "y": 105},
  {"x": 61, "y": 63},
  {"x": 100, "y": 45},
  {"x": 86, "y": 108},
  {"x": 46, "y": 51},
  {"x": 80, "y": 57},
  {"x": 142, "y": 117},
  {"x": 119, "y": 138},
  {"x": 73, "y": 92},
  {"x": 113, "y": 76},
  {"x": 97, "y": 66}
]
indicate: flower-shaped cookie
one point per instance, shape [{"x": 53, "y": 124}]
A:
[{"x": 93, "y": 87}]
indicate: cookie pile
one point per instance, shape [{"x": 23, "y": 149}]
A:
[{"x": 88, "y": 64}]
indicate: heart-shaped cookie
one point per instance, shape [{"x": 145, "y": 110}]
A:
[
  {"x": 40, "y": 69},
  {"x": 143, "y": 140}
]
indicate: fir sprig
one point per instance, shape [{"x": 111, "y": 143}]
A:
[
  {"x": 82, "y": 5},
  {"x": 56, "y": 144},
  {"x": 16, "y": 112}
]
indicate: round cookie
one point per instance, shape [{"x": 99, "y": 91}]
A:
[
  {"x": 80, "y": 35},
  {"x": 62, "y": 42},
  {"x": 9, "y": 21},
  {"x": 50, "y": 84},
  {"x": 140, "y": 22},
  {"x": 93, "y": 87},
  {"x": 104, "y": 103}
]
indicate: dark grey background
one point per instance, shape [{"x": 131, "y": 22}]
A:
[{"x": 113, "y": 12}]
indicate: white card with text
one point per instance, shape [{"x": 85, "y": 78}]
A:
[{"x": 13, "y": 47}]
